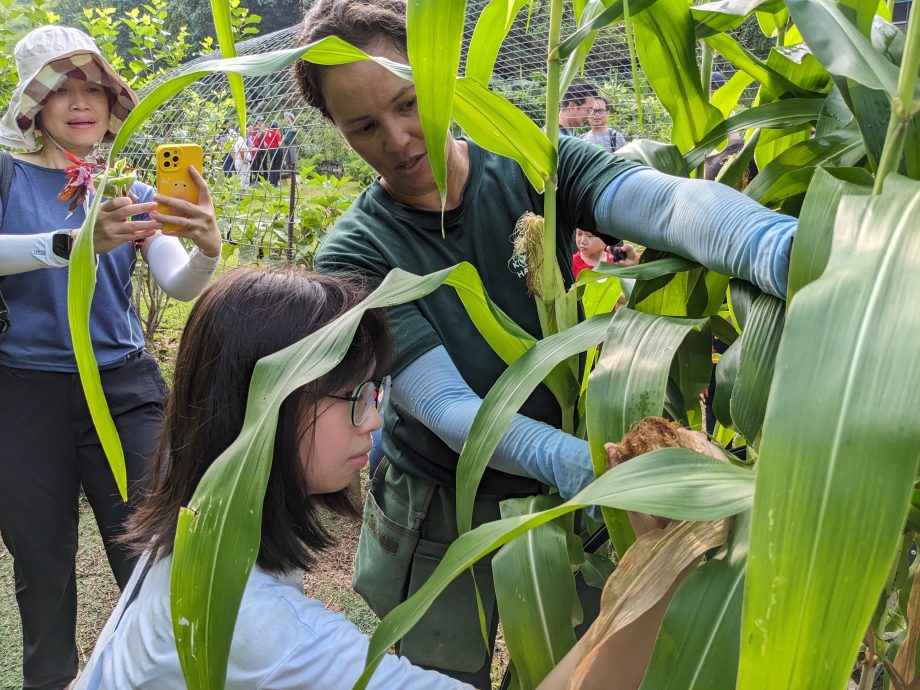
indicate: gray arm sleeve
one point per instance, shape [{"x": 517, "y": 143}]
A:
[{"x": 432, "y": 388}]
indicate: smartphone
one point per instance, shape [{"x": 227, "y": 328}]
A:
[{"x": 173, "y": 177}]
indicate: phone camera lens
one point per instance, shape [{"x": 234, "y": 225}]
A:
[
  {"x": 165, "y": 154},
  {"x": 175, "y": 159},
  {"x": 166, "y": 164}
]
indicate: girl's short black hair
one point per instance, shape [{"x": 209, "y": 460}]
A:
[
  {"x": 362, "y": 23},
  {"x": 243, "y": 316}
]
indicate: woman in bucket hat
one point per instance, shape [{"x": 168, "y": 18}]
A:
[{"x": 70, "y": 95}]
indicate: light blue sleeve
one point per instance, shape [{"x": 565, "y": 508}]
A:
[
  {"x": 432, "y": 388},
  {"x": 701, "y": 220}
]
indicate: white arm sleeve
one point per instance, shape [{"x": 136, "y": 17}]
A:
[
  {"x": 21, "y": 253},
  {"x": 182, "y": 276},
  {"x": 433, "y": 390}
]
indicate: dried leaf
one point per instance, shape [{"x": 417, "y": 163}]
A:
[
  {"x": 644, "y": 579},
  {"x": 905, "y": 660}
]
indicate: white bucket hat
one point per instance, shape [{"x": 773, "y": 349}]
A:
[{"x": 47, "y": 56}]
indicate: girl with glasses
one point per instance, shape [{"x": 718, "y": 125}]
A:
[{"x": 282, "y": 638}]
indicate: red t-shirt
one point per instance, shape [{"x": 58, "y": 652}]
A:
[
  {"x": 579, "y": 264},
  {"x": 271, "y": 139}
]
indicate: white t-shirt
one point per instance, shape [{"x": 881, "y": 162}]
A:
[{"x": 282, "y": 639}]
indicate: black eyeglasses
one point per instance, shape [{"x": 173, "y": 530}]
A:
[
  {"x": 366, "y": 396},
  {"x": 599, "y": 111}
]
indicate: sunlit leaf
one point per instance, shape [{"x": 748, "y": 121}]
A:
[
  {"x": 840, "y": 47},
  {"x": 81, "y": 284},
  {"x": 666, "y": 49},
  {"x": 725, "y": 15},
  {"x": 223, "y": 28},
  {"x": 778, "y": 114},
  {"x": 496, "y": 125},
  {"x": 434, "y": 30},
  {"x": 838, "y": 453},
  {"x": 491, "y": 28}
]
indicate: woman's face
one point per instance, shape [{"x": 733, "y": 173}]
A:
[
  {"x": 376, "y": 113},
  {"x": 76, "y": 115},
  {"x": 335, "y": 450}
]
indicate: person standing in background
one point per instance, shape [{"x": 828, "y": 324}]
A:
[
  {"x": 271, "y": 145},
  {"x": 575, "y": 103},
  {"x": 601, "y": 133},
  {"x": 254, "y": 141},
  {"x": 67, "y": 102},
  {"x": 289, "y": 144}
]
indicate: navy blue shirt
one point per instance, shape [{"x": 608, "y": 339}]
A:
[{"x": 39, "y": 335}]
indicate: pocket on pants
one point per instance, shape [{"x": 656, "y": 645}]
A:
[
  {"x": 384, "y": 557},
  {"x": 449, "y": 635}
]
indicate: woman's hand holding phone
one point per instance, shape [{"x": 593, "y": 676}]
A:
[
  {"x": 114, "y": 226},
  {"x": 196, "y": 222}
]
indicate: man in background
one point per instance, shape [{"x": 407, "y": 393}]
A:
[
  {"x": 575, "y": 104},
  {"x": 601, "y": 133}
]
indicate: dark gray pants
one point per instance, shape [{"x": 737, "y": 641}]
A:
[{"x": 49, "y": 450}]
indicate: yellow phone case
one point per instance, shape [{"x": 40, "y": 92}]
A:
[{"x": 173, "y": 177}]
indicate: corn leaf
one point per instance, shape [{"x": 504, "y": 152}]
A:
[
  {"x": 644, "y": 576},
  {"x": 811, "y": 249},
  {"x": 841, "y": 48},
  {"x": 774, "y": 82},
  {"x": 328, "y": 51},
  {"x": 725, "y": 15},
  {"x": 627, "y": 384},
  {"x": 81, "y": 284},
  {"x": 434, "y": 31},
  {"x": 505, "y": 398},
  {"x": 506, "y": 338},
  {"x": 843, "y": 148},
  {"x": 220, "y": 11},
  {"x": 535, "y": 592},
  {"x": 496, "y": 125},
  {"x": 697, "y": 646},
  {"x": 726, "y": 375},
  {"x": 727, "y": 96},
  {"x": 667, "y": 52},
  {"x": 778, "y": 114},
  {"x": 674, "y": 482},
  {"x": 758, "y": 357},
  {"x": 631, "y": 375},
  {"x": 797, "y": 64},
  {"x": 649, "y": 270},
  {"x": 663, "y": 157},
  {"x": 838, "y": 454},
  {"x": 575, "y": 62},
  {"x": 772, "y": 22},
  {"x": 493, "y": 25},
  {"x": 610, "y": 16}
]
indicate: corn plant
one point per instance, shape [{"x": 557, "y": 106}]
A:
[{"x": 821, "y": 389}]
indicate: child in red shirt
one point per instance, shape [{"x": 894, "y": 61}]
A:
[{"x": 592, "y": 249}]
